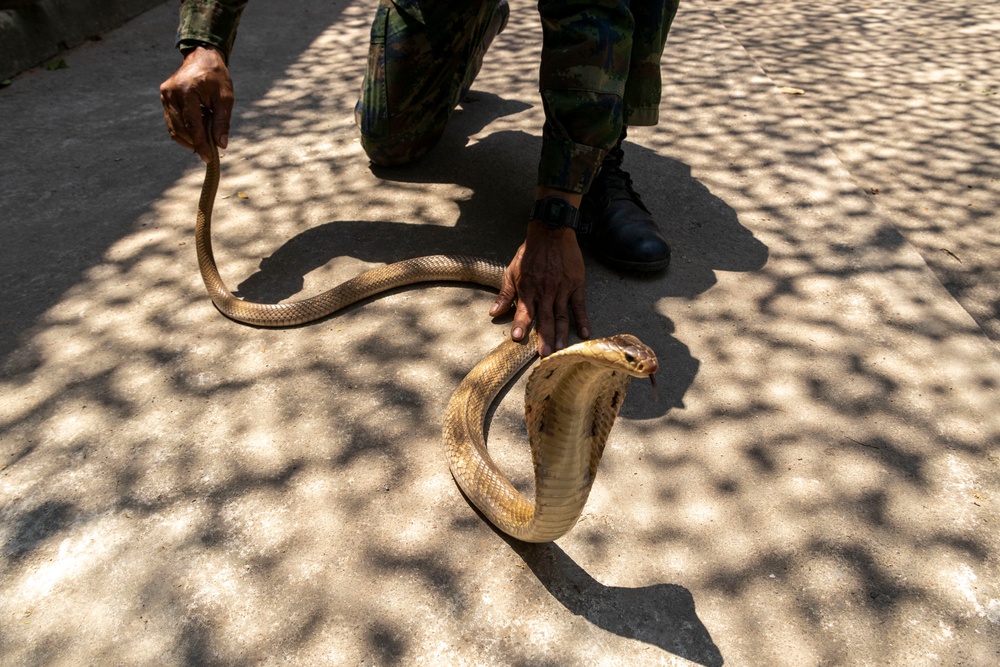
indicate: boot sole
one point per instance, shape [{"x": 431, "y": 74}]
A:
[{"x": 643, "y": 267}]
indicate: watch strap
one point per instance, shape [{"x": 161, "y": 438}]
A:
[{"x": 556, "y": 213}]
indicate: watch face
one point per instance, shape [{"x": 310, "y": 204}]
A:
[
  {"x": 555, "y": 212},
  {"x": 556, "y": 207}
]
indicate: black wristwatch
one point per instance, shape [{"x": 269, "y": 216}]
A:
[{"x": 555, "y": 213}]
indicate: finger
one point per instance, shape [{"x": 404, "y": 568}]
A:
[
  {"x": 194, "y": 123},
  {"x": 522, "y": 320},
  {"x": 221, "y": 113},
  {"x": 578, "y": 304},
  {"x": 545, "y": 323},
  {"x": 561, "y": 317},
  {"x": 175, "y": 123},
  {"x": 505, "y": 300},
  {"x": 176, "y": 136}
]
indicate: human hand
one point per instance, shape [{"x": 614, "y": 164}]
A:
[
  {"x": 546, "y": 279},
  {"x": 201, "y": 82}
]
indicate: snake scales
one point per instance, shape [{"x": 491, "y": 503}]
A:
[{"x": 571, "y": 401}]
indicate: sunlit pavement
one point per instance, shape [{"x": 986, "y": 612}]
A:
[{"x": 814, "y": 483}]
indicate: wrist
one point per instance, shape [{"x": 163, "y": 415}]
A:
[
  {"x": 574, "y": 198},
  {"x": 538, "y": 231},
  {"x": 188, "y": 47},
  {"x": 556, "y": 210}
]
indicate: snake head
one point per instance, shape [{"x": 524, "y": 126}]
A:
[
  {"x": 626, "y": 353},
  {"x": 638, "y": 356}
]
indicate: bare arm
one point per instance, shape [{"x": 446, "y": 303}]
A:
[{"x": 546, "y": 279}]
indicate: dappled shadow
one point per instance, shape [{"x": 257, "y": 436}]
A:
[
  {"x": 33, "y": 527},
  {"x": 819, "y": 473},
  {"x": 907, "y": 96},
  {"x": 697, "y": 223},
  {"x": 88, "y": 190}
]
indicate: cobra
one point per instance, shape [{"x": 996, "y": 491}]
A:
[{"x": 572, "y": 399}]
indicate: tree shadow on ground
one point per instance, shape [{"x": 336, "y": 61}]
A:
[{"x": 704, "y": 230}]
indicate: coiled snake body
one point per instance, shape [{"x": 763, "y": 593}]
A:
[{"x": 571, "y": 401}]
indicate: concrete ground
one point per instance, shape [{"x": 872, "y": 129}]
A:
[
  {"x": 816, "y": 482},
  {"x": 34, "y": 31}
]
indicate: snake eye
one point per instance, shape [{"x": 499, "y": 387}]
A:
[{"x": 629, "y": 358}]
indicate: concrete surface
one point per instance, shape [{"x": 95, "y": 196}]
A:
[
  {"x": 32, "y": 31},
  {"x": 816, "y": 483},
  {"x": 907, "y": 95}
]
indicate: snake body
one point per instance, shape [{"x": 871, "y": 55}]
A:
[{"x": 571, "y": 401}]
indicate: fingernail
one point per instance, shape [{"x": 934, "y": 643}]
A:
[
  {"x": 224, "y": 140},
  {"x": 546, "y": 350},
  {"x": 517, "y": 333},
  {"x": 585, "y": 333}
]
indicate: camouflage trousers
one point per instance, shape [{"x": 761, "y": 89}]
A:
[{"x": 600, "y": 69}]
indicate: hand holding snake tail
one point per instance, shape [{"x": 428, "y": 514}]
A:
[{"x": 571, "y": 401}]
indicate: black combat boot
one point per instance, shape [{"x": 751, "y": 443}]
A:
[{"x": 622, "y": 230}]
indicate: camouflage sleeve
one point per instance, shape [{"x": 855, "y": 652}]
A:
[
  {"x": 599, "y": 70},
  {"x": 211, "y": 21}
]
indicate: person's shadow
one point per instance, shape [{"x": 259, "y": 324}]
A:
[{"x": 499, "y": 171}]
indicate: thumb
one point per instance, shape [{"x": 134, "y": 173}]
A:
[{"x": 505, "y": 300}]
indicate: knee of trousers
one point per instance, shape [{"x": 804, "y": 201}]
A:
[
  {"x": 390, "y": 153},
  {"x": 390, "y": 149}
]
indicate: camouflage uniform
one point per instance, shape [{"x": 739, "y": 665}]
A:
[
  {"x": 600, "y": 69},
  {"x": 210, "y": 21},
  {"x": 422, "y": 59}
]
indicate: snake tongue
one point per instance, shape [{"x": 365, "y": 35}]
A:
[{"x": 652, "y": 381}]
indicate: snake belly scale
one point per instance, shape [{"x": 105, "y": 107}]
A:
[{"x": 571, "y": 401}]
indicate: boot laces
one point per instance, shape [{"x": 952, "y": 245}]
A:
[{"x": 615, "y": 179}]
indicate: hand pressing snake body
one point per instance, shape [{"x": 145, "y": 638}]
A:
[{"x": 571, "y": 401}]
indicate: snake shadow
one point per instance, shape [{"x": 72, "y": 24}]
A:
[
  {"x": 495, "y": 168},
  {"x": 662, "y": 615},
  {"x": 499, "y": 169}
]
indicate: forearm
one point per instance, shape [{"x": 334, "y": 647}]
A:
[{"x": 213, "y": 22}]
